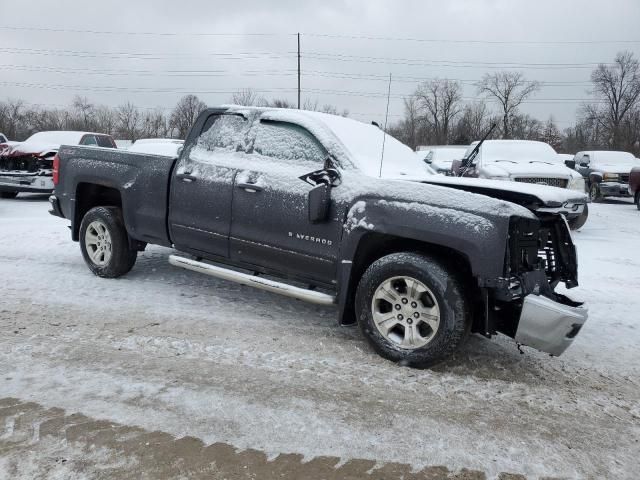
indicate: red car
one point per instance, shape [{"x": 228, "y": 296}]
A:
[
  {"x": 634, "y": 185},
  {"x": 28, "y": 166}
]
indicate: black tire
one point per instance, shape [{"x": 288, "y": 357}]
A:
[
  {"x": 447, "y": 291},
  {"x": 122, "y": 257},
  {"x": 638, "y": 200},
  {"x": 594, "y": 193},
  {"x": 8, "y": 194},
  {"x": 578, "y": 222}
]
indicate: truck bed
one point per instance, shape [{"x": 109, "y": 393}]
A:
[{"x": 139, "y": 181}]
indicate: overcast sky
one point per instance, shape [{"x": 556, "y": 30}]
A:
[{"x": 152, "y": 53}]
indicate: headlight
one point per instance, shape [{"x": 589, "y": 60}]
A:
[
  {"x": 577, "y": 183},
  {"x": 611, "y": 177}
]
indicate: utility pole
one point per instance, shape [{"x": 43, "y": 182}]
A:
[{"x": 298, "y": 70}]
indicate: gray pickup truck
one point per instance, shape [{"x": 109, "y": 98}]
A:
[{"x": 313, "y": 206}]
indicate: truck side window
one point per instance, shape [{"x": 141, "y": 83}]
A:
[
  {"x": 289, "y": 143},
  {"x": 220, "y": 134},
  {"x": 225, "y": 132}
]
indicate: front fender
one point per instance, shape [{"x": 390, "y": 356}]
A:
[{"x": 481, "y": 239}]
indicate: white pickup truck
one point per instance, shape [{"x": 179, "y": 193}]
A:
[{"x": 524, "y": 161}]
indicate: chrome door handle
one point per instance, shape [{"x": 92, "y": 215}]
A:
[
  {"x": 250, "y": 187},
  {"x": 186, "y": 177}
]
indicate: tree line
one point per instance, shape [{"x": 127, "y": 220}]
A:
[
  {"x": 19, "y": 120},
  {"x": 436, "y": 114}
]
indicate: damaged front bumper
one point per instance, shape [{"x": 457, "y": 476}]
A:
[
  {"x": 26, "y": 182},
  {"x": 548, "y": 325}
]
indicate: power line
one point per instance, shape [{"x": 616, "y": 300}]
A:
[
  {"x": 144, "y": 55},
  {"x": 268, "y": 90},
  {"x": 321, "y": 35},
  {"x": 278, "y": 72},
  {"x": 447, "y": 63},
  {"x": 114, "y": 32}
]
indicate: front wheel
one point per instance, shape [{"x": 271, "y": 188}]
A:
[
  {"x": 105, "y": 244},
  {"x": 412, "y": 309},
  {"x": 594, "y": 193}
]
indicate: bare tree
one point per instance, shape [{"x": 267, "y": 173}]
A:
[
  {"x": 440, "y": 101},
  {"x": 128, "y": 122},
  {"x": 510, "y": 89},
  {"x": 84, "y": 113},
  {"x": 105, "y": 120},
  {"x": 617, "y": 89},
  {"x": 185, "y": 113},
  {"x": 411, "y": 122},
  {"x": 154, "y": 124},
  {"x": 247, "y": 97},
  {"x": 13, "y": 111},
  {"x": 551, "y": 134},
  {"x": 281, "y": 103},
  {"x": 473, "y": 124}
]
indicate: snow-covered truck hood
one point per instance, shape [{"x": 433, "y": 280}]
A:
[
  {"x": 613, "y": 167},
  {"x": 528, "y": 169},
  {"x": 520, "y": 193},
  {"x": 29, "y": 148}
]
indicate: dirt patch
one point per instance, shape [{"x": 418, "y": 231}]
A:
[{"x": 40, "y": 442}]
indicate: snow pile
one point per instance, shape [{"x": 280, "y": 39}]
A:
[{"x": 356, "y": 218}]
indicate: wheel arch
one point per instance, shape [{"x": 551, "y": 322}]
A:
[
  {"x": 372, "y": 246},
  {"x": 90, "y": 195}
]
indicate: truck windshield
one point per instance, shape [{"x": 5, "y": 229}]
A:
[
  {"x": 518, "y": 152},
  {"x": 364, "y": 142},
  {"x": 613, "y": 158}
]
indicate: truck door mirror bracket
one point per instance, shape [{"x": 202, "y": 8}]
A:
[{"x": 319, "y": 203}]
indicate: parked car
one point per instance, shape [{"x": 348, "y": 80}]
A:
[
  {"x": 634, "y": 185},
  {"x": 417, "y": 262},
  {"x": 28, "y": 166},
  {"x": 441, "y": 157},
  {"x": 157, "y": 146},
  {"x": 606, "y": 172},
  {"x": 524, "y": 161}
]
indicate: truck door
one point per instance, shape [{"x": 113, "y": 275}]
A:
[
  {"x": 270, "y": 226},
  {"x": 202, "y": 187}
]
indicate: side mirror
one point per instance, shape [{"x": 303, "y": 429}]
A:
[
  {"x": 570, "y": 163},
  {"x": 319, "y": 203}
]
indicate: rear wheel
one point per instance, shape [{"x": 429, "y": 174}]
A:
[
  {"x": 594, "y": 193},
  {"x": 412, "y": 309},
  {"x": 105, "y": 244},
  {"x": 8, "y": 194}
]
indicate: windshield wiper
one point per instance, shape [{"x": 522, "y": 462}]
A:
[{"x": 466, "y": 162}]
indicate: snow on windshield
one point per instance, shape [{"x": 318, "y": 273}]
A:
[
  {"x": 517, "y": 151},
  {"x": 364, "y": 142},
  {"x": 615, "y": 157},
  {"x": 448, "y": 154},
  {"x": 56, "y": 138}
]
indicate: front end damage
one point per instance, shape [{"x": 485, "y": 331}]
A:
[
  {"x": 524, "y": 304},
  {"x": 22, "y": 172}
]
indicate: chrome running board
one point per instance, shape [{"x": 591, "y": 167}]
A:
[{"x": 311, "y": 296}]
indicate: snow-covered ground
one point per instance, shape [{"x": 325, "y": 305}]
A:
[{"x": 170, "y": 350}]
